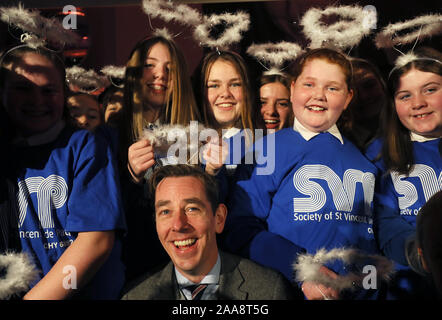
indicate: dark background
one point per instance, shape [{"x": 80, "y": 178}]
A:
[{"x": 113, "y": 27}]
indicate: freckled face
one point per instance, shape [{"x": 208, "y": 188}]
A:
[
  {"x": 320, "y": 95},
  {"x": 418, "y": 102}
]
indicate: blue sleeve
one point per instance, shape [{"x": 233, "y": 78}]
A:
[
  {"x": 95, "y": 200},
  {"x": 390, "y": 229},
  {"x": 246, "y": 228}
]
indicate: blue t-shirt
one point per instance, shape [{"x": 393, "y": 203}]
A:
[
  {"x": 68, "y": 186},
  {"x": 312, "y": 194},
  {"x": 397, "y": 201}
]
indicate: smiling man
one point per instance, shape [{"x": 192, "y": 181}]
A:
[{"x": 188, "y": 217}]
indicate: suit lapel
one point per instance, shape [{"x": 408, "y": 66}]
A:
[
  {"x": 170, "y": 290},
  {"x": 232, "y": 282}
]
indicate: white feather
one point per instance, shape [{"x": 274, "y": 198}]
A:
[
  {"x": 85, "y": 79},
  {"x": 429, "y": 25},
  {"x": 342, "y": 34},
  {"x": 275, "y": 54},
  {"x": 164, "y": 33},
  {"x": 30, "y": 21},
  {"x": 307, "y": 267},
  {"x": 114, "y": 71},
  {"x": 170, "y": 11},
  {"x": 236, "y": 24},
  {"x": 20, "y": 273}
]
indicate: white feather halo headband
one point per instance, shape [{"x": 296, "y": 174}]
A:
[
  {"x": 307, "y": 267},
  {"x": 40, "y": 30},
  {"x": 85, "y": 80},
  {"x": 430, "y": 25},
  {"x": 18, "y": 273},
  {"x": 170, "y": 11},
  {"x": 275, "y": 54},
  {"x": 178, "y": 137},
  {"x": 236, "y": 24},
  {"x": 342, "y": 34},
  {"x": 114, "y": 72}
]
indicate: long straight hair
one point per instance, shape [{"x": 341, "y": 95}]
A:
[
  {"x": 180, "y": 105},
  {"x": 248, "y": 112},
  {"x": 397, "y": 149}
]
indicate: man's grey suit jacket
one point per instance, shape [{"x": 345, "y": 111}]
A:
[{"x": 240, "y": 279}]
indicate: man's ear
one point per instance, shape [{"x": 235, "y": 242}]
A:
[
  {"x": 220, "y": 218},
  {"x": 422, "y": 260}
]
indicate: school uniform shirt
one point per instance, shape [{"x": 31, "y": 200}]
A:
[
  {"x": 397, "y": 201},
  {"x": 68, "y": 183},
  {"x": 316, "y": 194}
]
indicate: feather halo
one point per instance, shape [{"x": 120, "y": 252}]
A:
[
  {"x": 235, "y": 24},
  {"x": 275, "y": 54},
  {"x": 85, "y": 80},
  {"x": 307, "y": 267},
  {"x": 42, "y": 30},
  {"x": 19, "y": 273},
  {"x": 341, "y": 34}
]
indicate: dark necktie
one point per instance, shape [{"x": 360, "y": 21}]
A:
[{"x": 197, "y": 290}]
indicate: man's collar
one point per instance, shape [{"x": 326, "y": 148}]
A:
[
  {"x": 307, "y": 134},
  {"x": 211, "y": 278}
]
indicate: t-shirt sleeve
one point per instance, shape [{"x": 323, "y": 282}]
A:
[
  {"x": 95, "y": 200},
  {"x": 390, "y": 228}
]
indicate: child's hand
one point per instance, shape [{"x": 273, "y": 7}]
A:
[
  {"x": 215, "y": 153},
  {"x": 317, "y": 291},
  {"x": 140, "y": 159}
]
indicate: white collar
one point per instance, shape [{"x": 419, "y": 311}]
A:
[
  {"x": 307, "y": 134},
  {"x": 211, "y": 278},
  {"x": 418, "y": 138},
  {"x": 42, "y": 138},
  {"x": 228, "y": 133}
]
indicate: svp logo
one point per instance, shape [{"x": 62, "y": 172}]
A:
[
  {"x": 343, "y": 191},
  {"x": 51, "y": 194},
  {"x": 429, "y": 182}
]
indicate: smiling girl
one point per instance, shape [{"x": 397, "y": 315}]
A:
[
  {"x": 410, "y": 163},
  {"x": 157, "y": 91},
  {"x": 274, "y": 95},
  {"x": 302, "y": 205}
]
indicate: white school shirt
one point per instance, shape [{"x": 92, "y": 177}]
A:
[{"x": 211, "y": 279}]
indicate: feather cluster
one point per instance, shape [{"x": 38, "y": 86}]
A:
[
  {"x": 342, "y": 34},
  {"x": 31, "y": 21},
  {"x": 307, "y": 267},
  {"x": 85, "y": 80},
  {"x": 163, "y": 32},
  {"x": 235, "y": 24},
  {"x": 18, "y": 273},
  {"x": 177, "y": 137},
  {"x": 170, "y": 11},
  {"x": 114, "y": 71},
  {"x": 275, "y": 54},
  {"x": 426, "y": 26}
]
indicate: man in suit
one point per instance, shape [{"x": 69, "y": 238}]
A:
[{"x": 188, "y": 216}]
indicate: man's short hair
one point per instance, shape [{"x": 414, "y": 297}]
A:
[{"x": 184, "y": 170}]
